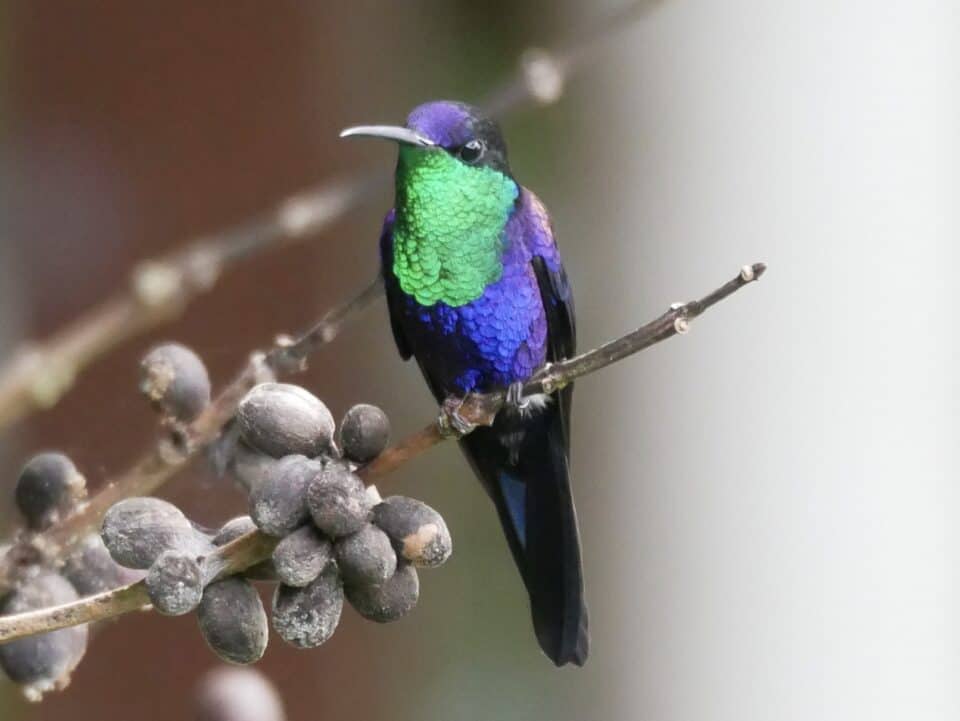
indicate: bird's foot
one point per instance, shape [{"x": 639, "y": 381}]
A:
[
  {"x": 451, "y": 423},
  {"x": 515, "y": 399}
]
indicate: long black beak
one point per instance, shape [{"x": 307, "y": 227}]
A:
[{"x": 388, "y": 132}]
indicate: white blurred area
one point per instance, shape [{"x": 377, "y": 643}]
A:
[{"x": 775, "y": 539}]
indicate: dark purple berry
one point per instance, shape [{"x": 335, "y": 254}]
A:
[
  {"x": 301, "y": 556},
  {"x": 338, "y": 501},
  {"x": 44, "y": 662},
  {"x": 389, "y": 601},
  {"x": 279, "y": 504},
  {"x": 280, "y": 419},
  {"x": 233, "y": 621},
  {"x": 48, "y": 489},
  {"x": 175, "y": 380},
  {"x": 364, "y": 433},
  {"x": 137, "y": 530},
  {"x": 365, "y": 557},
  {"x": 307, "y": 617},
  {"x": 175, "y": 583},
  {"x": 418, "y": 532}
]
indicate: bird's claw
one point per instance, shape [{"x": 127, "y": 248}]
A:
[
  {"x": 514, "y": 398},
  {"x": 451, "y": 422}
]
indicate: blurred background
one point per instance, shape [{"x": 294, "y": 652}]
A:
[{"x": 766, "y": 504}]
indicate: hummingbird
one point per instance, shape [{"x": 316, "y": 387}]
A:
[{"x": 478, "y": 295}]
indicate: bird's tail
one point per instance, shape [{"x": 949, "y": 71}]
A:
[{"x": 522, "y": 461}]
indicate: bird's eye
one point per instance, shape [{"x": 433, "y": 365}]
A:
[{"x": 472, "y": 151}]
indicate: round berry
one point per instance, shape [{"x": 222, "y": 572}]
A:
[
  {"x": 175, "y": 583},
  {"x": 338, "y": 501},
  {"x": 175, "y": 380},
  {"x": 280, "y": 419},
  {"x": 137, "y": 530},
  {"x": 44, "y": 662},
  {"x": 366, "y": 557},
  {"x": 49, "y": 487},
  {"x": 307, "y": 617},
  {"x": 232, "y": 620},
  {"x": 389, "y": 601},
  {"x": 364, "y": 433},
  {"x": 279, "y": 504},
  {"x": 418, "y": 532}
]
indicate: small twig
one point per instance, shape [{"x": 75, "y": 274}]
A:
[
  {"x": 254, "y": 547},
  {"x": 40, "y": 372}
]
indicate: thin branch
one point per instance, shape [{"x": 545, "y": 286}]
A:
[
  {"x": 254, "y": 547},
  {"x": 40, "y": 372}
]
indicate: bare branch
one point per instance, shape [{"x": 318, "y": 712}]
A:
[{"x": 39, "y": 373}]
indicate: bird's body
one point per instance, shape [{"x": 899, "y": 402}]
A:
[{"x": 478, "y": 295}]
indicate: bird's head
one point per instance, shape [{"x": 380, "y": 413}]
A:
[
  {"x": 461, "y": 132},
  {"x": 454, "y": 196}
]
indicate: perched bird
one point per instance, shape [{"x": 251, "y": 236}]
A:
[{"x": 478, "y": 295}]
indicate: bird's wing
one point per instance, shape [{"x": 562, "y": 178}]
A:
[
  {"x": 552, "y": 278},
  {"x": 555, "y": 293},
  {"x": 395, "y": 297}
]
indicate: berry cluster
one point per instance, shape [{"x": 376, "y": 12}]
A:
[
  {"x": 337, "y": 538},
  {"x": 49, "y": 488},
  {"x": 334, "y": 538}
]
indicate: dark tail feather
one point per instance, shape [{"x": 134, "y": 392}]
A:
[{"x": 531, "y": 490}]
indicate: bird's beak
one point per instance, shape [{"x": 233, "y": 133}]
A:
[{"x": 388, "y": 132}]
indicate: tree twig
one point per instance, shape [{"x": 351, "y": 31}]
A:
[
  {"x": 39, "y": 373},
  {"x": 478, "y": 409}
]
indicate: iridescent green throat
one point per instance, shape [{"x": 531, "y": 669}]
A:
[{"x": 447, "y": 236}]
